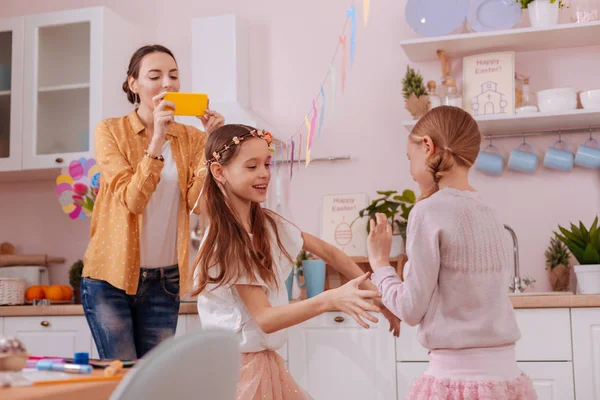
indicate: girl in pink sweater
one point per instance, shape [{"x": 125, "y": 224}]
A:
[{"x": 456, "y": 278}]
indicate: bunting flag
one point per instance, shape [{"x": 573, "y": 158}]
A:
[
  {"x": 352, "y": 15},
  {"x": 322, "y": 112},
  {"x": 366, "y": 12},
  {"x": 343, "y": 44},
  {"x": 308, "y": 129}
]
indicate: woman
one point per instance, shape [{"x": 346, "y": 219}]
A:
[{"x": 151, "y": 176}]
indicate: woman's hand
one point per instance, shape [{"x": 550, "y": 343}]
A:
[
  {"x": 211, "y": 121},
  {"x": 353, "y": 301},
  {"x": 163, "y": 117},
  {"x": 379, "y": 242}
]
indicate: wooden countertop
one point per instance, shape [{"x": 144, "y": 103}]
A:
[
  {"x": 67, "y": 309},
  {"x": 521, "y": 301},
  {"x": 89, "y": 390}
]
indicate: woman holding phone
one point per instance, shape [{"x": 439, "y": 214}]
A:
[{"x": 151, "y": 177}]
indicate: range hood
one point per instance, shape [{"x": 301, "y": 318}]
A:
[{"x": 220, "y": 68}]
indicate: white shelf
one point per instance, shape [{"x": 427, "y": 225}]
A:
[
  {"x": 535, "y": 122},
  {"x": 73, "y": 86},
  {"x": 4, "y": 92},
  {"x": 523, "y": 39}
]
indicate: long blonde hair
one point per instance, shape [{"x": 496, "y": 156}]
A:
[
  {"x": 227, "y": 244},
  {"x": 456, "y": 136}
]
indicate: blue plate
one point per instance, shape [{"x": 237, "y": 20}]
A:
[
  {"x": 493, "y": 15},
  {"x": 436, "y": 17}
]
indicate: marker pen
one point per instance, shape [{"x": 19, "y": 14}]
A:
[{"x": 49, "y": 365}]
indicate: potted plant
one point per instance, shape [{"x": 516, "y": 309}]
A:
[
  {"x": 542, "y": 13},
  {"x": 558, "y": 265},
  {"x": 414, "y": 93},
  {"x": 584, "y": 244},
  {"x": 396, "y": 208},
  {"x": 75, "y": 279}
]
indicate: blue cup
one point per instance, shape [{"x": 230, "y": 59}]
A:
[
  {"x": 5, "y": 77},
  {"x": 289, "y": 282},
  {"x": 314, "y": 277},
  {"x": 559, "y": 159},
  {"x": 588, "y": 156},
  {"x": 490, "y": 161},
  {"x": 523, "y": 160}
]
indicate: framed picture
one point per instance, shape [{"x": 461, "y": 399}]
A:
[
  {"x": 489, "y": 84},
  {"x": 337, "y": 228}
]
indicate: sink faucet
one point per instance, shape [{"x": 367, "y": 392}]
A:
[{"x": 518, "y": 284}]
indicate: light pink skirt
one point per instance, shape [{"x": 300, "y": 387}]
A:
[
  {"x": 472, "y": 374},
  {"x": 264, "y": 376}
]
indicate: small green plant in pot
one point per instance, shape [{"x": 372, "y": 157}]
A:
[
  {"x": 558, "y": 265},
  {"x": 75, "y": 279},
  {"x": 584, "y": 244},
  {"x": 397, "y": 209}
]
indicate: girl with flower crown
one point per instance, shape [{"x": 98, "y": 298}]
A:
[{"x": 245, "y": 256}]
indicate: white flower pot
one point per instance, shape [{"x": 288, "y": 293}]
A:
[
  {"x": 588, "y": 278},
  {"x": 542, "y": 13},
  {"x": 397, "y": 246}
]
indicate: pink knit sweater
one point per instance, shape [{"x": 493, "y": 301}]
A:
[{"x": 457, "y": 275}]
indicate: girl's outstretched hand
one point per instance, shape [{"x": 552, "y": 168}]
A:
[
  {"x": 353, "y": 301},
  {"x": 379, "y": 242}
]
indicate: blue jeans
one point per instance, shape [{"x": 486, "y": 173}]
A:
[{"x": 125, "y": 327}]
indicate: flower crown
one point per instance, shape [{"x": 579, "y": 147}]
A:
[{"x": 262, "y": 134}]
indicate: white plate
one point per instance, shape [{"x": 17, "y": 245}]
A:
[
  {"x": 493, "y": 15},
  {"x": 435, "y": 17}
]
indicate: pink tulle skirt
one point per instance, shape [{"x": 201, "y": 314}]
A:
[
  {"x": 473, "y": 374},
  {"x": 264, "y": 376}
]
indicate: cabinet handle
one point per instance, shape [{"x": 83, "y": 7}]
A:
[
  {"x": 339, "y": 319},
  {"x": 59, "y": 160},
  {"x": 45, "y": 324}
]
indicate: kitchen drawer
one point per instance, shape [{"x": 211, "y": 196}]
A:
[
  {"x": 60, "y": 336},
  {"x": 545, "y": 336}
]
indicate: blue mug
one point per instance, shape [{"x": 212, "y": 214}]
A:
[
  {"x": 588, "y": 156},
  {"x": 314, "y": 277},
  {"x": 490, "y": 162},
  {"x": 289, "y": 283},
  {"x": 559, "y": 159},
  {"x": 521, "y": 160}
]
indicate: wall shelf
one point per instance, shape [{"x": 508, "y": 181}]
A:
[
  {"x": 522, "y": 39},
  {"x": 512, "y": 123}
]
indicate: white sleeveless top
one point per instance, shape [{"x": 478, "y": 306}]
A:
[{"x": 223, "y": 307}]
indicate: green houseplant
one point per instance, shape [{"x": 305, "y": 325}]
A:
[
  {"x": 397, "y": 208},
  {"x": 558, "y": 265},
  {"x": 75, "y": 279},
  {"x": 416, "y": 100},
  {"x": 584, "y": 244}
]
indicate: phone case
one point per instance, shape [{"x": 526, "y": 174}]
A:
[{"x": 189, "y": 104}]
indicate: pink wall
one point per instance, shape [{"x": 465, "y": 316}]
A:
[{"x": 290, "y": 51}]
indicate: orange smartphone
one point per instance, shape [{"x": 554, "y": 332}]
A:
[{"x": 188, "y": 104}]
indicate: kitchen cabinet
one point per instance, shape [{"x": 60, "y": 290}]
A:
[{"x": 586, "y": 352}]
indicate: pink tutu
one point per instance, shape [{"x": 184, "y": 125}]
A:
[
  {"x": 473, "y": 374},
  {"x": 264, "y": 376},
  {"x": 430, "y": 388}
]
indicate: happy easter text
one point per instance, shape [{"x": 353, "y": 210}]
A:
[
  {"x": 487, "y": 66},
  {"x": 340, "y": 204}
]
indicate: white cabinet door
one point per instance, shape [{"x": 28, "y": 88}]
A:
[
  {"x": 407, "y": 373},
  {"x": 11, "y": 92},
  {"x": 62, "y": 58},
  {"x": 586, "y": 352},
  {"x": 332, "y": 357},
  {"x": 551, "y": 380},
  {"x": 1, "y": 326},
  {"x": 181, "y": 326},
  {"x": 51, "y": 336},
  {"x": 193, "y": 322}
]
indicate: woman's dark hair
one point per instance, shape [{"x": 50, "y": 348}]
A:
[{"x": 134, "y": 67}]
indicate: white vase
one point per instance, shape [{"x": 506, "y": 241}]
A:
[
  {"x": 397, "y": 246},
  {"x": 588, "y": 278},
  {"x": 542, "y": 13}
]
